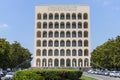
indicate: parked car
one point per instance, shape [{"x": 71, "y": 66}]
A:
[
  {"x": 9, "y": 76},
  {"x": 4, "y": 73},
  {"x": 113, "y": 74},
  {"x": 107, "y": 73},
  {"x": 91, "y": 71},
  {"x": 1, "y": 74}
]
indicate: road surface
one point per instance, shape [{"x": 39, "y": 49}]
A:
[{"x": 100, "y": 77}]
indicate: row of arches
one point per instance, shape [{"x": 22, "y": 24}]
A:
[
  {"x": 62, "y": 16},
  {"x": 62, "y": 52},
  {"x": 62, "y": 25},
  {"x": 62, "y": 43},
  {"x": 62, "y": 62},
  {"x": 57, "y": 34}
]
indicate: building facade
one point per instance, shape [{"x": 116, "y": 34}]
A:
[{"x": 62, "y": 36}]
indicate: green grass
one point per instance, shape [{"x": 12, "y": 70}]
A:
[{"x": 86, "y": 78}]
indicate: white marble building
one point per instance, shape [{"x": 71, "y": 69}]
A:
[{"x": 62, "y": 36}]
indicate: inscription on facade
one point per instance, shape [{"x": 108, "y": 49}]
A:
[{"x": 62, "y": 8}]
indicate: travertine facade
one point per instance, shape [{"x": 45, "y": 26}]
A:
[{"x": 62, "y": 36}]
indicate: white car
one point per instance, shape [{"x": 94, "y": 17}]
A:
[{"x": 9, "y": 76}]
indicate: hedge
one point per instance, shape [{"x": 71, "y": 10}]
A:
[{"x": 48, "y": 75}]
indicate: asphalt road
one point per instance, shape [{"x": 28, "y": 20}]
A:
[{"x": 100, "y": 77}]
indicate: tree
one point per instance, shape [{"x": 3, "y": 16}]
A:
[
  {"x": 107, "y": 55},
  {"x": 19, "y": 55},
  {"x": 4, "y": 53},
  {"x": 13, "y": 55}
]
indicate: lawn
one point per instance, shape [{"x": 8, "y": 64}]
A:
[{"x": 87, "y": 78}]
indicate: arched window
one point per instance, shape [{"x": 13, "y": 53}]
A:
[
  {"x": 56, "y": 62},
  {"x": 44, "y": 43},
  {"x": 56, "y": 25},
  {"x": 62, "y": 52},
  {"x": 38, "y": 43},
  {"x": 44, "y": 34},
  {"x": 44, "y": 52},
  {"x": 38, "y": 34},
  {"x": 56, "y": 16},
  {"x": 85, "y": 25},
  {"x": 62, "y": 16},
  {"x": 62, "y": 62},
  {"x": 68, "y": 63},
  {"x": 50, "y": 44},
  {"x": 50, "y": 53},
  {"x": 73, "y": 16},
  {"x": 73, "y": 43},
  {"x": 79, "y": 16},
  {"x": 85, "y": 34},
  {"x": 73, "y": 34},
  {"x": 67, "y": 34},
  {"x": 56, "y": 53},
  {"x": 79, "y": 25},
  {"x": 68, "y": 52},
  {"x": 62, "y": 34},
  {"x": 38, "y": 25},
  {"x": 56, "y": 35},
  {"x": 44, "y": 25},
  {"x": 50, "y": 16},
  {"x": 67, "y": 16},
  {"x": 38, "y": 52},
  {"x": 50, "y": 34},
  {"x": 62, "y": 43},
  {"x": 86, "y": 52},
  {"x": 62, "y": 25},
  {"x": 85, "y": 16},
  {"x": 56, "y": 43},
  {"x": 44, "y": 62},
  {"x": 68, "y": 43},
  {"x": 86, "y": 62},
  {"x": 73, "y": 25},
  {"x": 38, "y": 16},
  {"x": 73, "y": 52},
  {"x": 67, "y": 25},
  {"x": 50, "y": 25},
  {"x": 45, "y": 16},
  {"x": 79, "y": 52},
  {"x": 80, "y": 34},
  {"x": 86, "y": 43},
  {"x": 80, "y": 43}
]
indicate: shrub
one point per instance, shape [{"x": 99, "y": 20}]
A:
[
  {"x": 27, "y": 75},
  {"x": 48, "y": 75}
]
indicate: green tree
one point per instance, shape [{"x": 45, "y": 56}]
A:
[
  {"x": 19, "y": 56},
  {"x": 107, "y": 55},
  {"x": 4, "y": 53},
  {"x": 13, "y": 55}
]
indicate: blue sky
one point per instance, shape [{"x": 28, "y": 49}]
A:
[{"x": 17, "y": 19}]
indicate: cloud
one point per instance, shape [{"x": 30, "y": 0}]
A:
[{"x": 3, "y": 26}]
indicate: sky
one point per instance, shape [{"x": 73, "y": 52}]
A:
[{"x": 17, "y": 19}]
